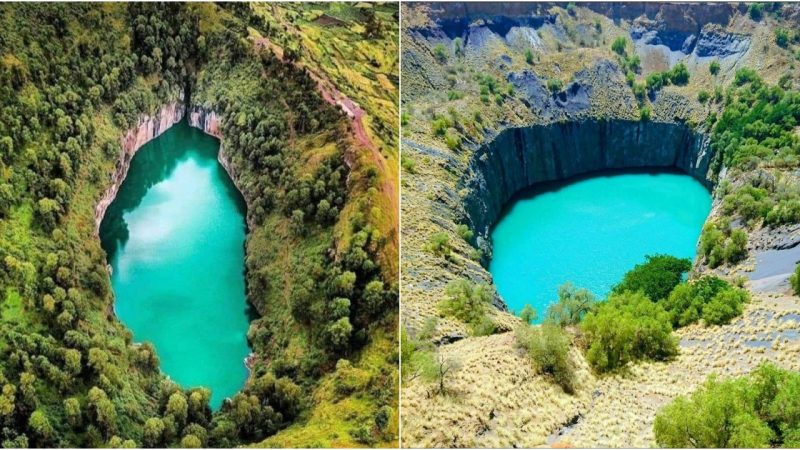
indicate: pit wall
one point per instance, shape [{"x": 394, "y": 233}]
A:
[
  {"x": 152, "y": 126},
  {"x": 148, "y": 128},
  {"x": 518, "y": 158}
]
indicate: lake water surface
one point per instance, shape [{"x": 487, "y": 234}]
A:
[
  {"x": 175, "y": 240},
  {"x": 590, "y": 231}
]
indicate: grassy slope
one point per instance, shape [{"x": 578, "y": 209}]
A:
[
  {"x": 331, "y": 419},
  {"x": 494, "y": 380}
]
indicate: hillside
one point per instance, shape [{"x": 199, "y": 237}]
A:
[
  {"x": 498, "y": 99},
  {"x": 85, "y": 86}
]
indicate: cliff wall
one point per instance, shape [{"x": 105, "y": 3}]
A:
[{"x": 521, "y": 157}]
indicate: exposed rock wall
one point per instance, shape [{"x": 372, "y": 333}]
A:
[
  {"x": 210, "y": 123},
  {"x": 149, "y": 128},
  {"x": 521, "y": 157}
]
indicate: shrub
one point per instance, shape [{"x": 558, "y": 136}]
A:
[
  {"x": 782, "y": 37},
  {"x": 440, "y": 125},
  {"x": 528, "y": 314},
  {"x": 440, "y": 53},
  {"x": 464, "y": 231},
  {"x": 656, "y": 277},
  {"x": 644, "y": 113},
  {"x": 454, "y": 95},
  {"x": 439, "y": 244},
  {"x": 719, "y": 244},
  {"x": 572, "y": 306},
  {"x": 548, "y": 347},
  {"x": 703, "y": 96},
  {"x": 794, "y": 280},
  {"x": 628, "y": 327},
  {"x": 756, "y": 411},
  {"x": 756, "y": 11},
  {"x": 468, "y": 302},
  {"x": 528, "y": 56},
  {"x": 714, "y": 67},
  {"x": 554, "y": 85},
  {"x": 679, "y": 74},
  {"x": 619, "y": 44},
  {"x": 710, "y": 298},
  {"x": 453, "y": 141}
]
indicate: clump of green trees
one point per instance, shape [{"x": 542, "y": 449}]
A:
[
  {"x": 678, "y": 75},
  {"x": 759, "y": 410},
  {"x": 720, "y": 243},
  {"x": 470, "y": 302}
]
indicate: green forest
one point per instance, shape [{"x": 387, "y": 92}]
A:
[{"x": 74, "y": 78}]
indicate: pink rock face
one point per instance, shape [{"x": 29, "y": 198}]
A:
[
  {"x": 149, "y": 128},
  {"x": 208, "y": 121}
]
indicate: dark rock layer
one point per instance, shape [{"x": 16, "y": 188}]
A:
[{"x": 521, "y": 157}]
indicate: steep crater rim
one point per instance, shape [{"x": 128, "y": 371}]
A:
[{"x": 519, "y": 158}]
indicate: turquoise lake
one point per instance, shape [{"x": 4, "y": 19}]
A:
[
  {"x": 590, "y": 231},
  {"x": 175, "y": 238}
]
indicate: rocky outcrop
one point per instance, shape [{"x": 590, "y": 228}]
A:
[
  {"x": 210, "y": 123},
  {"x": 521, "y": 157},
  {"x": 148, "y": 128}
]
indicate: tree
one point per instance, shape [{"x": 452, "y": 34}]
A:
[
  {"x": 528, "y": 314},
  {"x": 625, "y": 328},
  {"x": 40, "y": 426},
  {"x": 756, "y": 11},
  {"x": 656, "y": 277},
  {"x": 191, "y": 441},
  {"x": 721, "y": 414},
  {"x": 442, "y": 370},
  {"x": 339, "y": 333},
  {"x": 572, "y": 306},
  {"x": 153, "y": 432}
]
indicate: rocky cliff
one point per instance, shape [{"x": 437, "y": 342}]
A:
[
  {"x": 521, "y": 157},
  {"x": 210, "y": 123},
  {"x": 148, "y": 128}
]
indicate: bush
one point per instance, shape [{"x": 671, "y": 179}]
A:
[
  {"x": 644, "y": 114},
  {"x": 756, "y": 11},
  {"x": 464, "y": 231},
  {"x": 756, "y": 411},
  {"x": 794, "y": 280},
  {"x": 714, "y": 67},
  {"x": 469, "y": 303},
  {"x": 703, "y": 96},
  {"x": 656, "y": 277},
  {"x": 628, "y": 327},
  {"x": 572, "y": 306},
  {"x": 619, "y": 44},
  {"x": 679, "y": 75},
  {"x": 440, "y": 53},
  {"x": 720, "y": 244},
  {"x": 439, "y": 244},
  {"x": 528, "y": 56},
  {"x": 554, "y": 85},
  {"x": 782, "y": 38},
  {"x": 710, "y": 298},
  {"x": 548, "y": 347},
  {"x": 453, "y": 141},
  {"x": 528, "y": 314}
]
